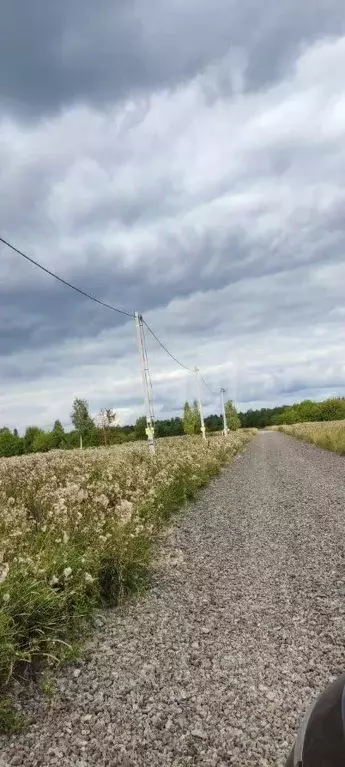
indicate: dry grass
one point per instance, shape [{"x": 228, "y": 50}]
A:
[{"x": 327, "y": 434}]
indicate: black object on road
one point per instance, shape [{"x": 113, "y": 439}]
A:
[{"x": 321, "y": 737}]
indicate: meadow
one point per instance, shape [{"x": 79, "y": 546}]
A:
[
  {"x": 76, "y": 534},
  {"x": 327, "y": 434}
]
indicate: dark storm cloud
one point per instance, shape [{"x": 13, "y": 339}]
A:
[
  {"x": 53, "y": 54},
  {"x": 49, "y": 312}
]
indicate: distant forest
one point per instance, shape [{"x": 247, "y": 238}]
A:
[
  {"x": 36, "y": 440},
  {"x": 328, "y": 410}
]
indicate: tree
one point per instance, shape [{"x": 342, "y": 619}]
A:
[
  {"x": 58, "y": 427},
  {"x": 214, "y": 423},
  {"x": 58, "y": 435},
  {"x": 171, "y": 427},
  {"x": 196, "y": 413},
  {"x": 81, "y": 418},
  {"x": 29, "y": 437},
  {"x": 10, "y": 444},
  {"x": 190, "y": 418},
  {"x": 107, "y": 419},
  {"x": 260, "y": 418},
  {"x": 43, "y": 442},
  {"x": 232, "y": 418},
  {"x": 289, "y": 415},
  {"x": 140, "y": 428}
]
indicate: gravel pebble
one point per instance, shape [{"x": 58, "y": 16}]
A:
[{"x": 244, "y": 624}]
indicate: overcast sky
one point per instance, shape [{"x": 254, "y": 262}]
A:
[{"x": 185, "y": 159}]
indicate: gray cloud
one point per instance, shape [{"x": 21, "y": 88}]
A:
[
  {"x": 52, "y": 55},
  {"x": 206, "y": 191}
]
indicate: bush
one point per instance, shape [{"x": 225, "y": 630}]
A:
[
  {"x": 10, "y": 444},
  {"x": 43, "y": 442}
]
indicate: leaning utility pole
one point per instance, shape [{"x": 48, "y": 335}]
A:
[
  {"x": 145, "y": 375},
  {"x": 225, "y": 425},
  {"x": 203, "y": 430}
]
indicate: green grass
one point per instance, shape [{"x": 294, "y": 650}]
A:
[{"x": 11, "y": 721}]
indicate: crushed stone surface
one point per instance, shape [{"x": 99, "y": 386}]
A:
[{"x": 244, "y": 624}]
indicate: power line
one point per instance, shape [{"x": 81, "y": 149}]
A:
[
  {"x": 215, "y": 394},
  {"x": 167, "y": 350},
  {"x": 105, "y": 305},
  {"x": 64, "y": 282}
]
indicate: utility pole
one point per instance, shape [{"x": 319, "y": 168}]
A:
[
  {"x": 203, "y": 430},
  {"x": 145, "y": 375},
  {"x": 225, "y": 425}
]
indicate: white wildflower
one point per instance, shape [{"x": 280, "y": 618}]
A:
[
  {"x": 65, "y": 538},
  {"x": 102, "y": 500},
  {"x": 67, "y": 573},
  {"x": 4, "y": 572},
  {"x": 53, "y": 581},
  {"x": 88, "y": 577},
  {"x": 125, "y": 511},
  {"x": 6, "y": 597},
  {"x": 139, "y": 529}
]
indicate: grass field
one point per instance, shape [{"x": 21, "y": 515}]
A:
[
  {"x": 76, "y": 531},
  {"x": 327, "y": 434}
]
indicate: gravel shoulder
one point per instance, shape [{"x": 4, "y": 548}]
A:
[{"x": 244, "y": 624}]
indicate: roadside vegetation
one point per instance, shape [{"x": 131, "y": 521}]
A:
[
  {"x": 76, "y": 532},
  {"x": 329, "y": 435}
]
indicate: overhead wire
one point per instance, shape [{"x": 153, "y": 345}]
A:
[
  {"x": 64, "y": 282},
  {"x": 165, "y": 348},
  {"x": 215, "y": 394},
  {"x": 105, "y": 305}
]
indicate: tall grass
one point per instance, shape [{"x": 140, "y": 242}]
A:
[
  {"x": 76, "y": 532},
  {"x": 329, "y": 435}
]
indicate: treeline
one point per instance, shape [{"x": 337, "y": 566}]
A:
[
  {"x": 88, "y": 433},
  {"x": 259, "y": 419},
  {"x": 330, "y": 410},
  {"x": 36, "y": 440}
]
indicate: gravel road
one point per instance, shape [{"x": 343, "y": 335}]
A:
[{"x": 244, "y": 623}]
